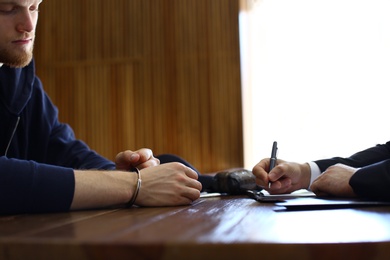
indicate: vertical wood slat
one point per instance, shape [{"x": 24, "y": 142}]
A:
[{"x": 163, "y": 74}]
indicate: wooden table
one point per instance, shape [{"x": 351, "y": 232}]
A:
[{"x": 229, "y": 227}]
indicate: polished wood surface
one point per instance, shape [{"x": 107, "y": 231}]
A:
[
  {"x": 163, "y": 74},
  {"x": 212, "y": 228}
]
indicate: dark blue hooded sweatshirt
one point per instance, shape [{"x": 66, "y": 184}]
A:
[{"x": 37, "y": 152}]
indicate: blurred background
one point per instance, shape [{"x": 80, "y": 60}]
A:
[
  {"x": 163, "y": 74},
  {"x": 217, "y": 81},
  {"x": 316, "y": 74}
]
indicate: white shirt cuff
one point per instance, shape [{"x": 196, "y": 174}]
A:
[{"x": 315, "y": 172}]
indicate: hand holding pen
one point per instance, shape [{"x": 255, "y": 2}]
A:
[
  {"x": 273, "y": 158},
  {"x": 288, "y": 177}
]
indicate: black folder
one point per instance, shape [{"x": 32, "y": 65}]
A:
[
  {"x": 317, "y": 203},
  {"x": 309, "y": 201}
]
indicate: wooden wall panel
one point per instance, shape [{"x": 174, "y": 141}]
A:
[{"x": 163, "y": 74}]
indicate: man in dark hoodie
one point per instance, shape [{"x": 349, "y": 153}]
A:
[{"x": 43, "y": 167}]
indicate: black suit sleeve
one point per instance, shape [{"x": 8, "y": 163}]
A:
[{"x": 372, "y": 180}]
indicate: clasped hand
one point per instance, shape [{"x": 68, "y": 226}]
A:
[
  {"x": 141, "y": 159},
  {"x": 167, "y": 184}
]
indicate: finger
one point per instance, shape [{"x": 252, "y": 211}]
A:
[
  {"x": 127, "y": 156},
  {"x": 123, "y": 160},
  {"x": 185, "y": 197},
  {"x": 150, "y": 163},
  {"x": 190, "y": 173},
  {"x": 277, "y": 173},
  {"x": 262, "y": 166},
  {"x": 316, "y": 188},
  {"x": 274, "y": 187},
  {"x": 260, "y": 173},
  {"x": 261, "y": 183},
  {"x": 145, "y": 155},
  {"x": 191, "y": 194},
  {"x": 320, "y": 193},
  {"x": 195, "y": 184},
  {"x": 280, "y": 186},
  {"x": 119, "y": 158}
]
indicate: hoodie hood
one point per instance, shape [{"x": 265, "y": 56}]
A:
[{"x": 16, "y": 86}]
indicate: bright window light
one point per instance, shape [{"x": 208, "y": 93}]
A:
[{"x": 315, "y": 76}]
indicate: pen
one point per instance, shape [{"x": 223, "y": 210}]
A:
[{"x": 273, "y": 159}]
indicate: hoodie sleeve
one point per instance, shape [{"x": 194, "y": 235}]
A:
[
  {"x": 54, "y": 142},
  {"x": 30, "y": 187},
  {"x": 64, "y": 149}
]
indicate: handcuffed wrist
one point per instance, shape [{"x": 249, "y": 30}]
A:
[{"x": 137, "y": 188}]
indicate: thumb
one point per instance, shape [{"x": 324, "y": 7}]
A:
[{"x": 276, "y": 173}]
